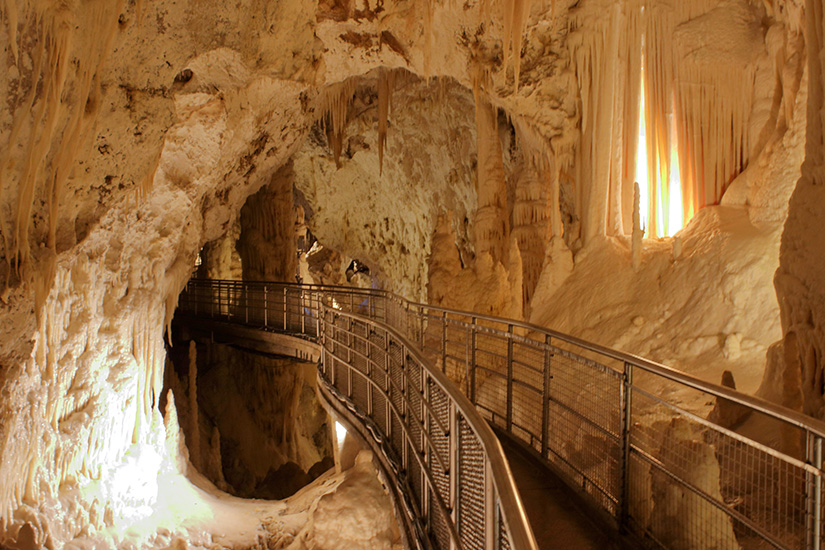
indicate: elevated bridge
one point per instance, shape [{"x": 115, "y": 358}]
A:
[{"x": 661, "y": 456}]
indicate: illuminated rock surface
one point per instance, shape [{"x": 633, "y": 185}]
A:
[{"x": 133, "y": 134}]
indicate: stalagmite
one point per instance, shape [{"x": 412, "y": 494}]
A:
[
  {"x": 638, "y": 232},
  {"x": 531, "y": 225},
  {"x": 194, "y": 428},
  {"x": 492, "y": 231}
]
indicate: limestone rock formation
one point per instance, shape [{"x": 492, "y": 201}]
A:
[{"x": 133, "y": 133}]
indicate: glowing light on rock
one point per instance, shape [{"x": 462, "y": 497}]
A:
[
  {"x": 641, "y": 165},
  {"x": 675, "y": 220},
  {"x": 135, "y": 482},
  {"x": 340, "y": 433},
  {"x": 671, "y": 223}
]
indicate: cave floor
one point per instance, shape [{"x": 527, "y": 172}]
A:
[{"x": 559, "y": 517}]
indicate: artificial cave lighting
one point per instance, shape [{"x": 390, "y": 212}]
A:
[
  {"x": 669, "y": 211},
  {"x": 641, "y": 165},
  {"x": 340, "y": 434}
]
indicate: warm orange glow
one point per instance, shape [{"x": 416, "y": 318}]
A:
[
  {"x": 641, "y": 164},
  {"x": 671, "y": 223},
  {"x": 675, "y": 221}
]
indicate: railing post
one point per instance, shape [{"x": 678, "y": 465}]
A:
[
  {"x": 490, "y": 509},
  {"x": 625, "y": 394},
  {"x": 266, "y": 321},
  {"x": 509, "y": 377},
  {"x": 453, "y": 447},
  {"x": 545, "y": 400},
  {"x": 813, "y": 492},
  {"x": 349, "y": 356},
  {"x": 387, "y": 384},
  {"x": 245, "y": 291},
  {"x": 369, "y": 370},
  {"x": 285, "y": 311},
  {"x": 444, "y": 342},
  {"x": 467, "y": 341},
  {"x": 302, "y": 310},
  {"x": 472, "y": 392},
  {"x": 318, "y": 307}
]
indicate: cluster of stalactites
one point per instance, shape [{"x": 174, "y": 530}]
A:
[
  {"x": 333, "y": 110},
  {"x": 514, "y": 15},
  {"x": 56, "y": 109},
  {"x": 608, "y": 64},
  {"x": 334, "y": 103},
  {"x": 618, "y": 47}
]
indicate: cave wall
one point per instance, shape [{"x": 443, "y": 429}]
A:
[
  {"x": 267, "y": 244},
  {"x": 134, "y": 132},
  {"x": 795, "y": 370}
]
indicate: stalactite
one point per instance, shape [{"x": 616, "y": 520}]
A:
[
  {"x": 386, "y": 79},
  {"x": 54, "y": 112},
  {"x": 514, "y": 15},
  {"x": 333, "y": 107},
  {"x": 145, "y": 186}
]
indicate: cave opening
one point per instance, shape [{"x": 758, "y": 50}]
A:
[{"x": 255, "y": 427}]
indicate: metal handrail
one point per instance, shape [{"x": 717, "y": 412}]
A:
[
  {"x": 800, "y": 420},
  {"x": 620, "y": 440},
  {"x": 315, "y": 317},
  {"x": 509, "y": 505}
]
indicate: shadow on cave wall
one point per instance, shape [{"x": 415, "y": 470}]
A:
[{"x": 261, "y": 431}]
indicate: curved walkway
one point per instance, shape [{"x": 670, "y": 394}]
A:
[
  {"x": 558, "y": 516},
  {"x": 651, "y": 448}
]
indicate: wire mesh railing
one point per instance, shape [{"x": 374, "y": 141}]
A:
[
  {"x": 677, "y": 461},
  {"x": 458, "y": 490}
]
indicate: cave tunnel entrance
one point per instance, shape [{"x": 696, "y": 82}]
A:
[{"x": 252, "y": 422}]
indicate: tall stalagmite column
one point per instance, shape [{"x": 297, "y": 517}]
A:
[
  {"x": 800, "y": 279},
  {"x": 267, "y": 243},
  {"x": 531, "y": 224},
  {"x": 492, "y": 229}
]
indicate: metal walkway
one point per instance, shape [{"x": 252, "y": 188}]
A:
[
  {"x": 559, "y": 517},
  {"x": 632, "y": 436}
]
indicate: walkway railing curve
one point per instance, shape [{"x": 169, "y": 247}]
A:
[
  {"x": 679, "y": 462},
  {"x": 457, "y": 487}
]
